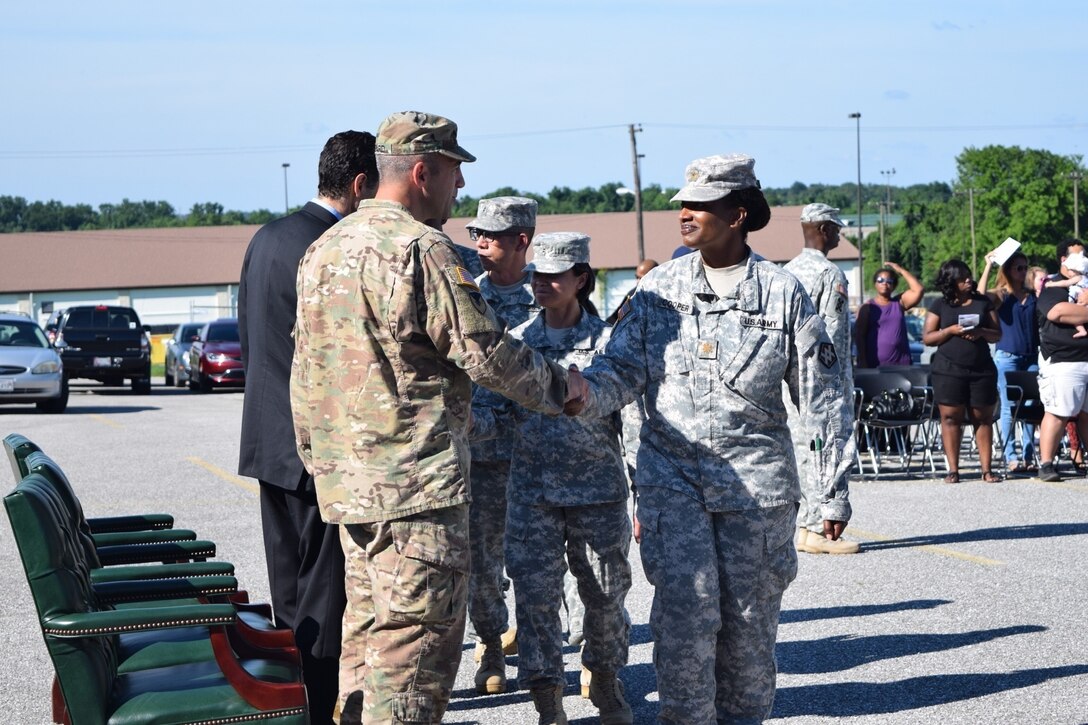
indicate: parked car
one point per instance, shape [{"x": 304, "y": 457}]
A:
[
  {"x": 919, "y": 353},
  {"x": 52, "y": 324},
  {"x": 30, "y": 370},
  {"x": 215, "y": 357},
  {"x": 105, "y": 343},
  {"x": 177, "y": 353}
]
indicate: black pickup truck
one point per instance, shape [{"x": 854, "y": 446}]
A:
[{"x": 105, "y": 343}]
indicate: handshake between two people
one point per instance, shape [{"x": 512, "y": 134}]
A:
[{"x": 577, "y": 392}]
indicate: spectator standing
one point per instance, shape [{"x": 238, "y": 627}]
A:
[
  {"x": 1017, "y": 350},
  {"x": 502, "y": 230},
  {"x": 961, "y": 325},
  {"x": 708, "y": 340},
  {"x": 303, "y": 555},
  {"x": 826, "y": 285},
  {"x": 881, "y": 328},
  {"x": 566, "y": 498},
  {"x": 391, "y": 333},
  {"x": 1063, "y": 365}
]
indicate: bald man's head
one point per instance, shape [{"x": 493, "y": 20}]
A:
[{"x": 644, "y": 267}]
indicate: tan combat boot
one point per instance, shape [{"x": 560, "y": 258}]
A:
[
  {"x": 548, "y": 701},
  {"x": 509, "y": 644},
  {"x": 584, "y": 681},
  {"x": 491, "y": 674},
  {"x": 812, "y": 543},
  {"x": 606, "y": 693}
]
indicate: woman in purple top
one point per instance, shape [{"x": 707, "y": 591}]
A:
[{"x": 881, "y": 329}]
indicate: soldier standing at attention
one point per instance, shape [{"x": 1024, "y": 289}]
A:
[
  {"x": 708, "y": 339},
  {"x": 391, "y": 333},
  {"x": 826, "y": 286},
  {"x": 566, "y": 498},
  {"x": 502, "y": 230}
]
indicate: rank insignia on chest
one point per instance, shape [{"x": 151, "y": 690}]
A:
[
  {"x": 708, "y": 349},
  {"x": 462, "y": 277},
  {"x": 827, "y": 356}
]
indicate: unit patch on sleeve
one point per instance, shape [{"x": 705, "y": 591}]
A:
[{"x": 827, "y": 355}]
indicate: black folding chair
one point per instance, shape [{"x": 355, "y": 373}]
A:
[{"x": 904, "y": 430}]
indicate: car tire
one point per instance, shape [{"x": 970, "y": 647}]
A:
[
  {"x": 58, "y": 404},
  {"x": 168, "y": 374},
  {"x": 179, "y": 381},
  {"x": 141, "y": 386},
  {"x": 205, "y": 383}
]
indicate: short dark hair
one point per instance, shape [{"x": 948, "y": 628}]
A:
[
  {"x": 345, "y": 156},
  {"x": 1065, "y": 244},
  {"x": 949, "y": 275},
  {"x": 753, "y": 202}
]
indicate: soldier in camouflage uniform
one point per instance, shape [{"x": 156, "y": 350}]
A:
[
  {"x": 567, "y": 494},
  {"x": 826, "y": 286},
  {"x": 503, "y": 229},
  {"x": 709, "y": 338},
  {"x": 391, "y": 332}
]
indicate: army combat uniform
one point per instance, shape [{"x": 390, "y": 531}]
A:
[
  {"x": 391, "y": 332},
  {"x": 717, "y": 487},
  {"x": 567, "y": 496},
  {"x": 826, "y": 286}
]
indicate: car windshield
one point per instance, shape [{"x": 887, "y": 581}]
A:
[
  {"x": 188, "y": 332},
  {"x": 223, "y": 333},
  {"x": 21, "y": 334}
]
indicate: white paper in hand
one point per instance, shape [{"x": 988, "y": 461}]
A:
[{"x": 1005, "y": 250}]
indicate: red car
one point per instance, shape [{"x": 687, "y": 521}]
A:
[{"x": 216, "y": 356}]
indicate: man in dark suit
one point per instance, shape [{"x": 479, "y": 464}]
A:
[{"x": 304, "y": 556}]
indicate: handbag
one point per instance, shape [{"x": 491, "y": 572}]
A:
[{"x": 890, "y": 405}]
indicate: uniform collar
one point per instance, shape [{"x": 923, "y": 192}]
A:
[
  {"x": 579, "y": 337},
  {"x": 747, "y": 298}
]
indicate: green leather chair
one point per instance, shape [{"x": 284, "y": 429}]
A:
[{"x": 105, "y": 673}]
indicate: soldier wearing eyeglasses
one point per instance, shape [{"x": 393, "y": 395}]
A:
[{"x": 502, "y": 231}]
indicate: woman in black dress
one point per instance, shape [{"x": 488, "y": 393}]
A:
[{"x": 961, "y": 325}]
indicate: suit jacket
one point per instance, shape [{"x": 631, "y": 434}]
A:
[{"x": 266, "y": 317}]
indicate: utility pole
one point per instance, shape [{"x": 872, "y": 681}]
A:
[
  {"x": 1076, "y": 176},
  {"x": 635, "y": 156},
  {"x": 861, "y": 259},
  {"x": 285, "y": 167},
  {"x": 971, "y": 206},
  {"x": 886, "y": 209}
]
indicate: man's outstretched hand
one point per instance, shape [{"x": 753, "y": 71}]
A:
[{"x": 577, "y": 391}]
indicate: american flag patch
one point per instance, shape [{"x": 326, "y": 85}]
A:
[
  {"x": 463, "y": 277},
  {"x": 623, "y": 310}
]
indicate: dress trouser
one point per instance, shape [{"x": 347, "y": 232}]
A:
[
  {"x": 718, "y": 580},
  {"x": 407, "y": 585},
  {"x": 306, "y": 578}
]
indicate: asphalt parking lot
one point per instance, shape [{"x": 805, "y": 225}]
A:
[{"x": 967, "y": 604}]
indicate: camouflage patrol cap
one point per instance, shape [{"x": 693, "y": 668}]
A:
[
  {"x": 714, "y": 177},
  {"x": 410, "y": 132},
  {"x": 555, "y": 252},
  {"x": 816, "y": 213},
  {"x": 500, "y": 213}
]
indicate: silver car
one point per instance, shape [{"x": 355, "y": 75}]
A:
[
  {"x": 30, "y": 370},
  {"x": 177, "y": 353}
]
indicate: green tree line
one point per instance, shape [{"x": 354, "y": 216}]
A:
[{"x": 19, "y": 215}]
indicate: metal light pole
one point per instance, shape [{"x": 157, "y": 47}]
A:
[
  {"x": 886, "y": 208},
  {"x": 285, "y": 167},
  {"x": 861, "y": 259},
  {"x": 971, "y": 206},
  {"x": 1076, "y": 176},
  {"x": 635, "y": 156}
]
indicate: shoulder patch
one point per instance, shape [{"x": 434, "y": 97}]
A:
[
  {"x": 624, "y": 310},
  {"x": 462, "y": 277},
  {"x": 827, "y": 355}
]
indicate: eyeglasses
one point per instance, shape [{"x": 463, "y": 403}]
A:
[
  {"x": 884, "y": 280},
  {"x": 476, "y": 234}
]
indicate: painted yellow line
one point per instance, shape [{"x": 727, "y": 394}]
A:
[
  {"x": 940, "y": 550},
  {"x": 228, "y": 477},
  {"x": 106, "y": 421},
  {"x": 1054, "y": 484}
]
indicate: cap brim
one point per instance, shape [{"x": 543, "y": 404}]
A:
[
  {"x": 486, "y": 225},
  {"x": 694, "y": 192},
  {"x": 458, "y": 154},
  {"x": 549, "y": 266}
]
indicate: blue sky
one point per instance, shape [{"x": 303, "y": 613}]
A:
[{"x": 203, "y": 101}]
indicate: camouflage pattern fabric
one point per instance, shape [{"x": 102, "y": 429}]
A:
[
  {"x": 596, "y": 540},
  {"x": 405, "y": 618},
  {"x": 585, "y": 448},
  {"x": 470, "y": 258},
  {"x": 718, "y": 580},
  {"x": 715, "y": 455},
  {"x": 827, "y": 288},
  {"x": 391, "y": 332},
  {"x": 487, "y": 609}
]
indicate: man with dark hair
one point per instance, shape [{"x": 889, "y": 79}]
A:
[{"x": 304, "y": 558}]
